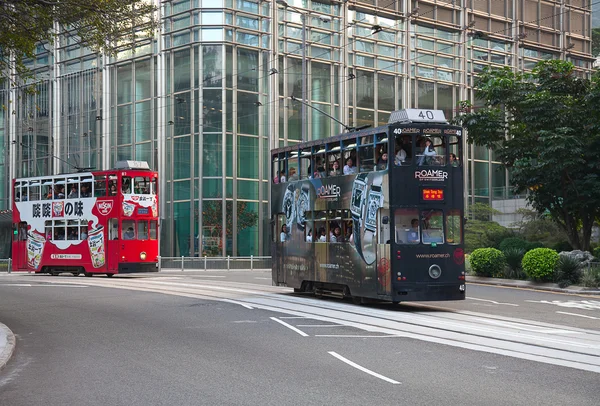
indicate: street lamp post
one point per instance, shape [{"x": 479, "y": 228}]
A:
[{"x": 303, "y": 19}]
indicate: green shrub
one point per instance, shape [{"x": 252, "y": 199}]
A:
[
  {"x": 568, "y": 271},
  {"x": 538, "y": 264},
  {"x": 597, "y": 252},
  {"x": 483, "y": 234},
  {"x": 512, "y": 243},
  {"x": 590, "y": 277},
  {"x": 487, "y": 262},
  {"x": 513, "y": 257}
]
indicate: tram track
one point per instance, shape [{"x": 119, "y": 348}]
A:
[{"x": 538, "y": 341}]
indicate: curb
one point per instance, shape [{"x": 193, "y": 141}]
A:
[
  {"x": 9, "y": 349},
  {"x": 532, "y": 286}
]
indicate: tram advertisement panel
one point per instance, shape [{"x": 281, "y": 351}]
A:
[{"x": 324, "y": 203}]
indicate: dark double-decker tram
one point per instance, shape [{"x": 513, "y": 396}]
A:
[{"x": 373, "y": 214}]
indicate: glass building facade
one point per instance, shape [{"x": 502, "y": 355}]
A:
[{"x": 205, "y": 100}]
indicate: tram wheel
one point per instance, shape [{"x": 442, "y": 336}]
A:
[
  {"x": 357, "y": 300},
  {"x": 110, "y": 275},
  {"x": 88, "y": 274},
  {"x": 75, "y": 273},
  {"x": 297, "y": 290},
  {"x": 395, "y": 302}
]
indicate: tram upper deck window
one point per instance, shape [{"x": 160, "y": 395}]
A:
[
  {"x": 86, "y": 186},
  {"x": 73, "y": 188},
  {"x": 126, "y": 185},
  {"x": 431, "y": 150},
  {"x": 305, "y": 166},
  {"x": 349, "y": 156},
  {"x": 34, "y": 191},
  {"x": 59, "y": 188},
  {"x": 292, "y": 166},
  {"x": 381, "y": 151},
  {"x": 319, "y": 162},
  {"x": 141, "y": 185},
  {"x": 403, "y": 150},
  {"x": 279, "y": 164},
  {"x": 334, "y": 154},
  {"x": 47, "y": 189},
  {"x": 454, "y": 151},
  {"x": 112, "y": 185},
  {"x": 366, "y": 154},
  {"x": 100, "y": 186}
]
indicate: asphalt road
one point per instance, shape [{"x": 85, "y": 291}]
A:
[{"x": 219, "y": 338}]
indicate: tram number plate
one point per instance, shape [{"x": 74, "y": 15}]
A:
[{"x": 142, "y": 210}]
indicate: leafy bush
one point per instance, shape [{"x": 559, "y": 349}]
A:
[
  {"x": 512, "y": 243},
  {"x": 597, "y": 252},
  {"x": 538, "y": 264},
  {"x": 483, "y": 234},
  {"x": 590, "y": 277},
  {"x": 513, "y": 257},
  {"x": 487, "y": 262},
  {"x": 568, "y": 271}
]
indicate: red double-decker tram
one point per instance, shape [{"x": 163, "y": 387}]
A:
[{"x": 99, "y": 222}]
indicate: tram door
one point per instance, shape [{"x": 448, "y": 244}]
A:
[
  {"x": 113, "y": 248},
  {"x": 383, "y": 252},
  {"x": 278, "y": 248}
]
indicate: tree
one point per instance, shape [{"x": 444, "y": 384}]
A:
[
  {"x": 212, "y": 212},
  {"x": 595, "y": 42},
  {"x": 545, "y": 128},
  {"x": 100, "y": 25}
]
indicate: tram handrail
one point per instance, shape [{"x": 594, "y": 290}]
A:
[{"x": 183, "y": 263}]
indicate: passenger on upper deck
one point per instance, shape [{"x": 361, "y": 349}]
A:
[
  {"x": 335, "y": 169},
  {"x": 400, "y": 157},
  {"x": 349, "y": 169},
  {"x": 113, "y": 190},
  {"x": 454, "y": 161},
  {"x": 73, "y": 193},
  {"x": 60, "y": 192},
  {"x": 382, "y": 161},
  {"x": 428, "y": 152},
  {"x": 293, "y": 174},
  {"x": 282, "y": 178}
]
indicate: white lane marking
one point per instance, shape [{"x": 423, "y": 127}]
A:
[
  {"x": 320, "y": 325},
  {"x": 210, "y": 276},
  {"x": 356, "y": 336},
  {"x": 368, "y": 371},
  {"x": 283, "y": 323},
  {"x": 492, "y": 301},
  {"x": 577, "y": 304},
  {"x": 16, "y": 284},
  {"x": 294, "y": 317},
  {"x": 267, "y": 279},
  {"x": 580, "y": 315},
  {"x": 42, "y": 285},
  {"x": 237, "y": 303}
]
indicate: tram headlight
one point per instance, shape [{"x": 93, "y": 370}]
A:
[{"x": 142, "y": 256}]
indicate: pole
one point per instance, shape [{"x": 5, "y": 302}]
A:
[{"x": 303, "y": 17}]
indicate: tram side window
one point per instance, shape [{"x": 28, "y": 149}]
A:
[
  {"x": 47, "y": 189},
  {"x": 112, "y": 185},
  {"x": 73, "y": 192},
  {"x": 100, "y": 186},
  {"x": 48, "y": 230},
  {"x": 153, "y": 229},
  {"x": 86, "y": 186},
  {"x": 381, "y": 151},
  {"x": 22, "y": 232},
  {"x": 73, "y": 230},
  {"x": 126, "y": 185},
  {"x": 318, "y": 164},
  {"x": 321, "y": 232},
  {"x": 403, "y": 150},
  {"x": 433, "y": 226},
  {"x": 292, "y": 168},
  {"x": 154, "y": 188},
  {"x": 128, "y": 230},
  {"x": 305, "y": 166},
  {"x": 59, "y": 232},
  {"x": 454, "y": 151},
  {"x": 142, "y": 230},
  {"x": 83, "y": 230},
  {"x": 431, "y": 151},
  {"x": 141, "y": 185},
  {"x": 407, "y": 228},
  {"x": 113, "y": 229},
  {"x": 334, "y": 156},
  {"x": 454, "y": 223},
  {"x": 34, "y": 191},
  {"x": 366, "y": 154}
]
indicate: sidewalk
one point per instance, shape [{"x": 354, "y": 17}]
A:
[
  {"x": 548, "y": 287},
  {"x": 8, "y": 342}
]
